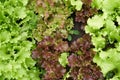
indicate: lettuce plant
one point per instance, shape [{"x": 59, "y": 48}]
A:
[
  {"x": 54, "y": 16},
  {"x": 104, "y": 28},
  {"x": 16, "y": 42},
  {"x": 61, "y": 60}
]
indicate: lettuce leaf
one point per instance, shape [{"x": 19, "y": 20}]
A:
[{"x": 63, "y": 59}]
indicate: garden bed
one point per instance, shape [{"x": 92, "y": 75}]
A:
[{"x": 59, "y": 40}]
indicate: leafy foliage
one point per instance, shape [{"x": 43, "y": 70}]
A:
[
  {"x": 86, "y": 12},
  {"x": 72, "y": 64},
  {"x": 47, "y": 54},
  {"x": 63, "y": 59},
  {"x": 72, "y": 32},
  {"x": 16, "y": 42},
  {"x": 77, "y": 4},
  {"x": 56, "y": 52},
  {"x": 82, "y": 66},
  {"x": 104, "y": 28},
  {"x": 54, "y": 16}
]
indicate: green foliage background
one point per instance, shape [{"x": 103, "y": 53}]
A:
[{"x": 16, "y": 42}]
